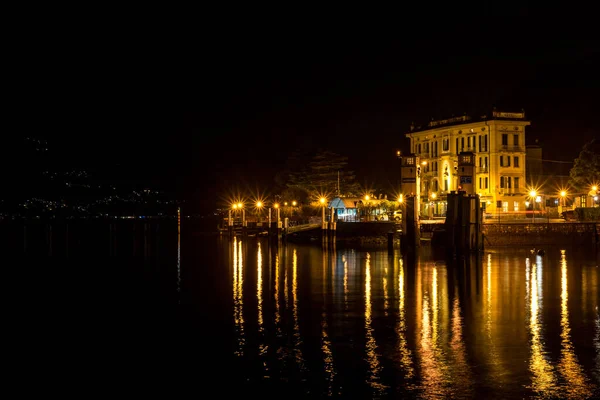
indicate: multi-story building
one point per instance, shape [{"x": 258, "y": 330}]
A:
[{"x": 498, "y": 143}]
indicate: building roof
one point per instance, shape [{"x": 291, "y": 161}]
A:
[
  {"x": 345, "y": 202},
  {"x": 352, "y": 202},
  {"x": 467, "y": 119}
]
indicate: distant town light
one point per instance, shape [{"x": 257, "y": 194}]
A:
[{"x": 294, "y": 203}]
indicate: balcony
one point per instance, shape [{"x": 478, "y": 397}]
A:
[
  {"x": 483, "y": 170},
  {"x": 512, "y": 149}
]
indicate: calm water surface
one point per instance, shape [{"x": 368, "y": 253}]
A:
[{"x": 159, "y": 313}]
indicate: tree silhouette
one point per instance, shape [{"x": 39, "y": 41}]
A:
[{"x": 586, "y": 169}]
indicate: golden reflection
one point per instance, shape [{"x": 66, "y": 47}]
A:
[
  {"x": 461, "y": 375},
  {"x": 238, "y": 280},
  {"x": 285, "y": 283},
  {"x": 543, "y": 379},
  {"x": 597, "y": 341},
  {"x": 576, "y": 383},
  {"x": 405, "y": 353},
  {"x": 325, "y": 341},
  {"x": 259, "y": 283},
  {"x": 327, "y": 355},
  {"x": 276, "y": 294},
  {"x": 432, "y": 380},
  {"x": 371, "y": 346},
  {"x": 434, "y": 306},
  {"x": 179, "y": 267},
  {"x": 345, "y": 261},
  {"x": 386, "y": 297},
  {"x": 297, "y": 338},
  {"x": 488, "y": 313}
]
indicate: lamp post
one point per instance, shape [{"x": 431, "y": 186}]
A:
[
  {"x": 323, "y": 200},
  {"x": 532, "y": 195},
  {"x": 259, "y": 206},
  {"x": 563, "y": 194}
]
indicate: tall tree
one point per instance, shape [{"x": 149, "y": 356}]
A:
[
  {"x": 325, "y": 173},
  {"x": 586, "y": 169}
]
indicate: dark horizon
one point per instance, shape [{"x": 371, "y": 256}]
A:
[{"x": 228, "y": 116}]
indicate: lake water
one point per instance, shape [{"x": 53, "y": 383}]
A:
[{"x": 147, "y": 311}]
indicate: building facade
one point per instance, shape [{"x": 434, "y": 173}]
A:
[{"x": 498, "y": 143}]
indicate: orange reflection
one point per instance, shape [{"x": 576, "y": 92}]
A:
[
  {"x": 371, "y": 346},
  {"x": 576, "y": 383},
  {"x": 405, "y": 353},
  {"x": 435, "y": 372},
  {"x": 461, "y": 375},
  {"x": 238, "y": 280},
  {"x": 259, "y": 284},
  {"x": 543, "y": 379},
  {"x": 345, "y": 261},
  {"x": 297, "y": 338},
  {"x": 492, "y": 350},
  {"x": 386, "y": 296},
  {"x": 276, "y": 294},
  {"x": 325, "y": 341},
  {"x": 179, "y": 267}
]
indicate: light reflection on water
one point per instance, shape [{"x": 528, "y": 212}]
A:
[
  {"x": 238, "y": 295},
  {"x": 576, "y": 385},
  {"x": 370, "y": 345},
  {"x": 467, "y": 328}
]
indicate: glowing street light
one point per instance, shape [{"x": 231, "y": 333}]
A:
[
  {"x": 294, "y": 203},
  {"x": 532, "y": 195},
  {"x": 367, "y": 197},
  {"x": 400, "y": 199},
  {"x": 563, "y": 195},
  {"x": 433, "y": 196},
  {"x": 323, "y": 200}
]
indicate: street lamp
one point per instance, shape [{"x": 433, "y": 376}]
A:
[
  {"x": 323, "y": 200},
  {"x": 259, "y": 206},
  {"x": 241, "y": 207},
  {"x": 276, "y": 206},
  {"x": 532, "y": 195}
]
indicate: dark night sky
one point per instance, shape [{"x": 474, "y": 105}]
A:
[{"x": 219, "y": 111}]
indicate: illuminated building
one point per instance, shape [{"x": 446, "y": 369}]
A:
[{"x": 498, "y": 143}]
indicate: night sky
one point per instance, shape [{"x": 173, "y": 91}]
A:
[{"x": 223, "y": 110}]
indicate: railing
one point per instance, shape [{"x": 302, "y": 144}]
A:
[
  {"x": 483, "y": 170},
  {"x": 563, "y": 228}
]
